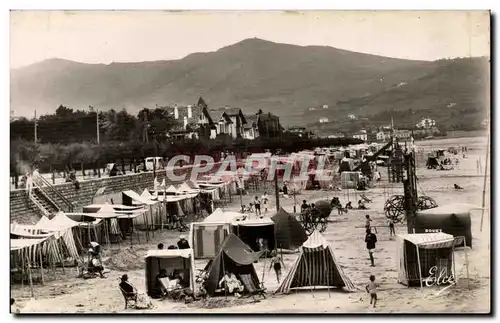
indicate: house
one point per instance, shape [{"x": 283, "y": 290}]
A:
[
  {"x": 426, "y": 123},
  {"x": 269, "y": 125},
  {"x": 323, "y": 120},
  {"x": 251, "y": 128},
  {"x": 194, "y": 121},
  {"x": 402, "y": 134},
  {"x": 231, "y": 121},
  {"x": 383, "y": 135},
  {"x": 301, "y": 132},
  {"x": 336, "y": 135},
  {"x": 361, "y": 135}
]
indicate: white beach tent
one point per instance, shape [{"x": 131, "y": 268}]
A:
[{"x": 206, "y": 237}]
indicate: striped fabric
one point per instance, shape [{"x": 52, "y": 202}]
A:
[
  {"x": 208, "y": 239},
  {"x": 316, "y": 266}
]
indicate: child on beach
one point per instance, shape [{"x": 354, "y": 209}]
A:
[{"x": 371, "y": 289}]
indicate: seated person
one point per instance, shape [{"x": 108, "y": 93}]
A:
[
  {"x": 232, "y": 284},
  {"x": 126, "y": 287},
  {"x": 95, "y": 264},
  {"x": 361, "y": 205},
  {"x": 304, "y": 207},
  {"x": 159, "y": 289},
  {"x": 176, "y": 288},
  {"x": 171, "y": 247},
  {"x": 315, "y": 213},
  {"x": 183, "y": 243},
  {"x": 348, "y": 205}
]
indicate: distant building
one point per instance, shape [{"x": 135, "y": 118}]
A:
[
  {"x": 402, "y": 134},
  {"x": 352, "y": 117},
  {"x": 251, "y": 128},
  {"x": 269, "y": 125},
  {"x": 361, "y": 135},
  {"x": 325, "y": 106},
  {"x": 383, "y": 135},
  {"x": 426, "y": 123},
  {"x": 323, "y": 120},
  {"x": 192, "y": 121},
  {"x": 336, "y": 135}
]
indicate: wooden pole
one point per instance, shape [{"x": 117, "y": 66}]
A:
[
  {"x": 466, "y": 263},
  {"x": 308, "y": 275},
  {"x": 419, "y": 267},
  {"x": 41, "y": 264},
  {"x": 484, "y": 184},
  {"x": 276, "y": 189}
]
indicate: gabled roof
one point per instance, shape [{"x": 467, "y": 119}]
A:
[{"x": 196, "y": 112}]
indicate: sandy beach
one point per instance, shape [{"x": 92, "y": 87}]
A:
[{"x": 68, "y": 294}]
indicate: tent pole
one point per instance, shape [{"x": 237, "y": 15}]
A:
[
  {"x": 41, "y": 263},
  {"x": 308, "y": 276},
  {"x": 223, "y": 273},
  {"x": 327, "y": 274},
  {"x": 466, "y": 263},
  {"x": 484, "y": 184},
  {"x": 30, "y": 279},
  {"x": 419, "y": 267}
]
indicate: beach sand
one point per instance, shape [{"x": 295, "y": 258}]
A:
[{"x": 68, "y": 294}]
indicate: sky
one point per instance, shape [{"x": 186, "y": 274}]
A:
[{"x": 132, "y": 36}]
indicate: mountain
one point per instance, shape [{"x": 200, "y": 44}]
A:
[{"x": 252, "y": 74}]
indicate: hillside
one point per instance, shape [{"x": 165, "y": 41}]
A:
[
  {"x": 454, "y": 92},
  {"x": 253, "y": 74}
]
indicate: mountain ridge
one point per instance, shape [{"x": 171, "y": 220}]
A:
[{"x": 252, "y": 74}]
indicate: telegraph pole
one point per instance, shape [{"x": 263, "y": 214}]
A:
[
  {"x": 36, "y": 126},
  {"x": 276, "y": 189},
  {"x": 97, "y": 125}
]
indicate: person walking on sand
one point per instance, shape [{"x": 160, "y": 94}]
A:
[
  {"x": 368, "y": 222},
  {"x": 392, "y": 231},
  {"x": 371, "y": 240},
  {"x": 257, "y": 206},
  {"x": 371, "y": 289},
  {"x": 265, "y": 201},
  {"x": 276, "y": 263}
]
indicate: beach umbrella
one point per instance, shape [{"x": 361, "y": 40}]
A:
[{"x": 324, "y": 207}]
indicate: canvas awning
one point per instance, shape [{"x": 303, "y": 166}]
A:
[
  {"x": 219, "y": 216},
  {"x": 454, "y": 208},
  {"x": 431, "y": 240},
  {"x": 137, "y": 198},
  {"x": 59, "y": 222},
  {"x": 253, "y": 222},
  {"x": 17, "y": 244},
  {"x": 169, "y": 253}
]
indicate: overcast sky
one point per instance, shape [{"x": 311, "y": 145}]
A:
[{"x": 129, "y": 36}]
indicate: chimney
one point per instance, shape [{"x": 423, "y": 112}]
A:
[
  {"x": 190, "y": 112},
  {"x": 176, "y": 112},
  {"x": 185, "y": 122}
]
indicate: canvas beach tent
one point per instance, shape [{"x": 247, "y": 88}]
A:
[
  {"x": 419, "y": 252},
  {"x": 288, "y": 231},
  {"x": 206, "y": 237},
  {"x": 234, "y": 257},
  {"x": 315, "y": 267},
  {"x": 250, "y": 230},
  {"x": 454, "y": 219},
  {"x": 180, "y": 260}
]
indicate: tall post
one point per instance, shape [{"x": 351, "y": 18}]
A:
[
  {"x": 485, "y": 180},
  {"x": 97, "y": 125},
  {"x": 36, "y": 130},
  {"x": 276, "y": 189}
]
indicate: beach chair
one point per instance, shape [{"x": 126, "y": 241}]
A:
[
  {"x": 252, "y": 290},
  {"x": 176, "y": 294},
  {"x": 129, "y": 297}
]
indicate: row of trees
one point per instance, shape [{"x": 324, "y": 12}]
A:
[
  {"x": 68, "y": 126},
  {"x": 25, "y": 154}
]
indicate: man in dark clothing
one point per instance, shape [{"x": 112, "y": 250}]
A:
[
  {"x": 371, "y": 240},
  {"x": 285, "y": 189},
  {"x": 160, "y": 246},
  {"x": 183, "y": 243},
  {"x": 304, "y": 206}
]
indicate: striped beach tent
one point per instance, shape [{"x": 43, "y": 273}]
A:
[{"x": 315, "y": 267}]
